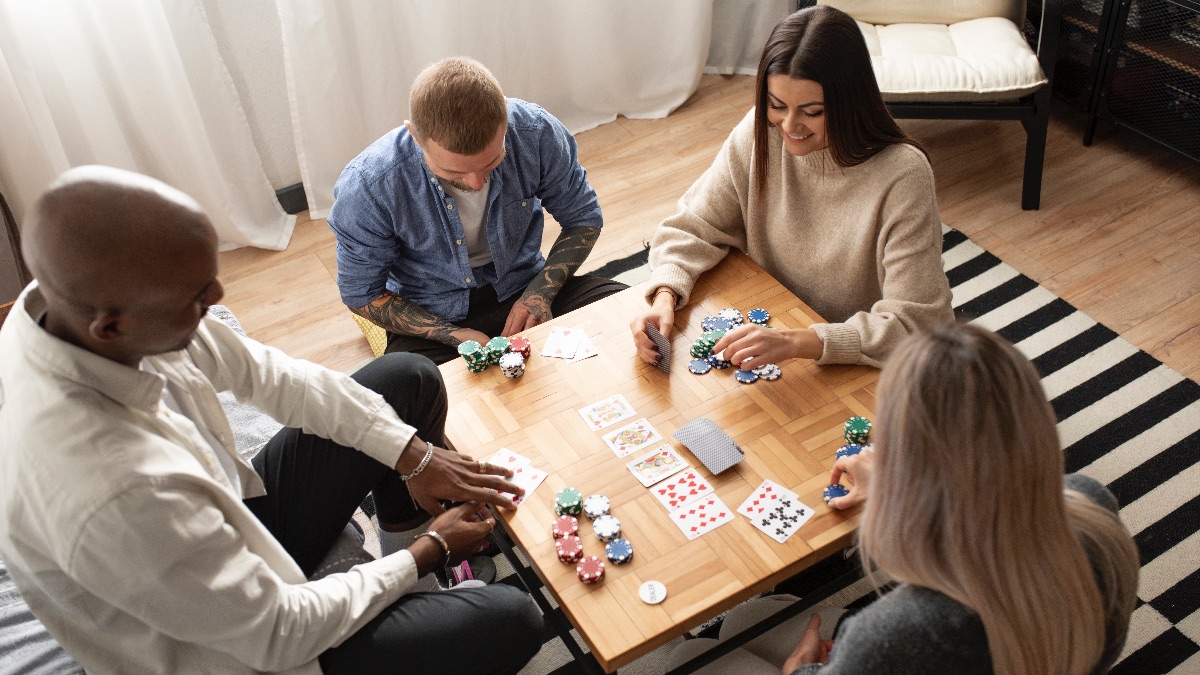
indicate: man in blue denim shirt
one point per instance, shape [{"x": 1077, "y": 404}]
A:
[{"x": 439, "y": 223}]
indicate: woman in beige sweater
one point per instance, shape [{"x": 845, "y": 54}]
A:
[{"x": 820, "y": 187}]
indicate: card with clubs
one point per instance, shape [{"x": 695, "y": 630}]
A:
[
  {"x": 657, "y": 465},
  {"x": 562, "y": 343},
  {"x": 606, "y": 412},
  {"x": 713, "y": 447},
  {"x": 527, "y": 477},
  {"x": 765, "y": 497},
  {"x": 632, "y": 437},
  {"x": 701, "y": 516},
  {"x": 680, "y": 489},
  {"x": 781, "y": 520},
  {"x": 664, "y": 347}
]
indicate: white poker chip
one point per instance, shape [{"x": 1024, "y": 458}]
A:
[{"x": 652, "y": 592}]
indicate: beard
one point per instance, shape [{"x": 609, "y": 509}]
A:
[{"x": 462, "y": 186}]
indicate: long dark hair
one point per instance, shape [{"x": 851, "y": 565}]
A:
[{"x": 824, "y": 44}]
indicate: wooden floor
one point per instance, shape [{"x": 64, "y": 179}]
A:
[{"x": 1118, "y": 234}]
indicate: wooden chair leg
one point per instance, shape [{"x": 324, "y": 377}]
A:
[{"x": 1035, "y": 152}]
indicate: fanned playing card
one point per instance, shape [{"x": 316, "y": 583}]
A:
[
  {"x": 586, "y": 349},
  {"x": 632, "y": 437},
  {"x": 713, "y": 447},
  {"x": 663, "y": 345},
  {"x": 528, "y": 477},
  {"x": 508, "y": 459},
  {"x": 562, "y": 343},
  {"x": 606, "y": 412},
  {"x": 781, "y": 520},
  {"x": 764, "y": 497},
  {"x": 657, "y": 465},
  {"x": 680, "y": 489},
  {"x": 702, "y": 516}
]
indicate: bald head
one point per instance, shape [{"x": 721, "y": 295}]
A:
[{"x": 106, "y": 243}]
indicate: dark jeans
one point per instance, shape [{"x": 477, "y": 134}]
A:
[
  {"x": 487, "y": 314},
  {"x": 313, "y": 488}
]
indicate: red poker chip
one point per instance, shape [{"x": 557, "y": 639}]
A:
[
  {"x": 569, "y": 549},
  {"x": 590, "y": 570},
  {"x": 520, "y": 345},
  {"x": 564, "y": 526}
]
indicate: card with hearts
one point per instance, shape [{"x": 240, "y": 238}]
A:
[
  {"x": 508, "y": 459},
  {"x": 527, "y": 477},
  {"x": 783, "y": 518},
  {"x": 606, "y": 412},
  {"x": 701, "y": 516},
  {"x": 586, "y": 349},
  {"x": 680, "y": 489},
  {"x": 656, "y": 465},
  {"x": 562, "y": 343},
  {"x": 764, "y": 497},
  {"x": 632, "y": 437}
]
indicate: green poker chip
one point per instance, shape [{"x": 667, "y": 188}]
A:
[{"x": 857, "y": 429}]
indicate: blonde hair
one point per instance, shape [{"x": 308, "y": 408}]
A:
[
  {"x": 458, "y": 103},
  {"x": 967, "y": 499}
]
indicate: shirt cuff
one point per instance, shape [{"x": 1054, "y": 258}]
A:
[
  {"x": 673, "y": 278},
  {"x": 842, "y": 343}
]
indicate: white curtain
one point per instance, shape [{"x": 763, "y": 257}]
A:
[
  {"x": 136, "y": 84},
  {"x": 740, "y": 28},
  {"x": 349, "y": 64}
]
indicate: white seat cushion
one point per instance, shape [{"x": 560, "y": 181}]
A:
[{"x": 976, "y": 60}]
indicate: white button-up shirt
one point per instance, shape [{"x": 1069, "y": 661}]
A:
[{"x": 122, "y": 530}]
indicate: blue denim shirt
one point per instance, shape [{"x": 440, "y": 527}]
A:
[{"x": 398, "y": 229}]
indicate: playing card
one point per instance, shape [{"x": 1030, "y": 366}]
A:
[
  {"x": 657, "y": 465},
  {"x": 528, "y": 477},
  {"x": 585, "y": 350},
  {"x": 680, "y": 489},
  {"x": 781, "y": 520},
  {"x": 712, "y": 447},
  {"x": 702, "y": 516},
  {"x": 632, "y": 437},
  {"x": 663, "y": 345},
  {"x": 765, "y": 497},
  {"x": 507, "y": 459},
  {"x": 607, "y": 412},
  {"x": 562, "y": 343}
]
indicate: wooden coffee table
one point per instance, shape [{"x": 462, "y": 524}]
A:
[{"x": 789, "y": 429}]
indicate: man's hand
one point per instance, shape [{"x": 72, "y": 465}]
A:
[
  {"x": 662, "y": 315},
  {"x": 811, "y": 648},
  {"x": 526, "y": 313},
  {"x": 857, "y": 469},
  {"x": 752, "y": 346},
  {"x": 464, "y": 334},
  {"x": 465, "y": 528},
  {"x": 457, "y": 478}
]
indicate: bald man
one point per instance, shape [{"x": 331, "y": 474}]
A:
[{"x": 134, "y": 530}]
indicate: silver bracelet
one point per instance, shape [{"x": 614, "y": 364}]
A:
[
  {"x": 422, "y": 465},
  {"x": 441, "y": 541}
]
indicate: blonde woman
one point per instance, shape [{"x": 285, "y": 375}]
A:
[{"x": 1004, "y": 566}]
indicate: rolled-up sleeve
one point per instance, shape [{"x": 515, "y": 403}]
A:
[{"x": 366, "y": 240}]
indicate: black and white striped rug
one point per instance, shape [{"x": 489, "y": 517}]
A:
[{"x": 1124, "y": 418}]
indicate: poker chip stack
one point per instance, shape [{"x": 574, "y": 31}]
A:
[
  {"x": 857, "y": 429},
  {"x": 704, "y": 344},
  {"x": 618, "y": 551},
  {"x": 718, "y": 361},
  {"x": 607, "y": 528},
  {"x": 715, "y": 323},
  {"x": 512, "y": 365},
  {"x": 568, "y": 502},
  {"x": 731, "y": 315},
  {"x": 848, "y": 450},
  {"x": 565, "y": 526},
  {"x": 590, "y": 570},
  {"x": 475, "y": 356},
  {"x": 768, "y": 371},
  {"x": 569, "y": 548},
  {"x": 595, "y": 506},
  {"x": 495, "y": 348},
  {"x": 520, "y": 345}
]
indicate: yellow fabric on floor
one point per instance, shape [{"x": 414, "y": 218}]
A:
[{"x": 376, "y": 336}]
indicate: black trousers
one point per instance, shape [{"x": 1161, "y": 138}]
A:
[
  {"x": 313, "y": 487},
  {"x": 487, "y": 314}
]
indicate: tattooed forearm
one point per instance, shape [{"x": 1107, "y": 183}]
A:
[
  {"x": 566, "y": 255},
  {"x": 404, "y": 317}
]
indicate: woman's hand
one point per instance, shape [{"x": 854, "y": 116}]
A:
[
  {"x": 810, "y": 649},
  {"x": 661, "y": 315},
  {"x": 857, "y": 469},
  {"x": 752, "y": 346}
]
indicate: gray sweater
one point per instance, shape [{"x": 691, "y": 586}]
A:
[{"x": 918, "y": 630}]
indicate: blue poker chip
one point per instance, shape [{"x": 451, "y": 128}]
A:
[
  {"x": 745, "y": 376},
  {"x": 619, "y": 551},
  {"x": 699, "y": 366},
  {"x": 833, "y": 492},
  {"x": 758, "y": 315},
  {"x": 848, "y": 450},
  {"x": 706, "y": 324},
  {"x": 717, "y": 362}
]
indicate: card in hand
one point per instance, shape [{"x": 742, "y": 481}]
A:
[
  {"x": 527, "y": 477},
  {"x": 508, "y": 459},
  {"x": 663, "y": 345},
  {"x": 783, "y": 519},
  {"x": 632, "y": 437},
  {"x": 562, "y": 343},
  {"x": 606, "y": 412},
  {"x": 702, "y": 516},
  {"x": 765, "y": 497},
  {"x": 680, "y": 489},
  {"x": 656, "y": 466},
  {"x": 713, "y": 447}
]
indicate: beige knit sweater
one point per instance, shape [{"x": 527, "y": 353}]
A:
[{"x": 861, "y": 245}]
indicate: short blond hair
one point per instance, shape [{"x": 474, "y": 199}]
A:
[{"x": 458, "y": 103}]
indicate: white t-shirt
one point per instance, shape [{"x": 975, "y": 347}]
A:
[{"x": 472, "y": 211}]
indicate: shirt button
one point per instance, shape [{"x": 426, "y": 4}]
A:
[
  {"x": 468, "y": 280},
  {"x": 458, "y": 241},
  {"x": 523, "y": 203},
  {"x": 449, "y": 207}
]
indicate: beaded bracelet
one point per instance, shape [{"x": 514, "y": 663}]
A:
[
  {"x": 422, "y": 465},
  {"x": 441, "y": 542}
]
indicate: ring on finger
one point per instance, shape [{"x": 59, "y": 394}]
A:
[{"x": 483, "y": 466}]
